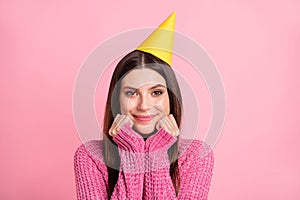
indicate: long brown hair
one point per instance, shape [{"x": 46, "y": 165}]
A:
[{"x": 137, "y": 60}]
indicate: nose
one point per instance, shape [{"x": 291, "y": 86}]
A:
[{"x": 144, "y": 103}]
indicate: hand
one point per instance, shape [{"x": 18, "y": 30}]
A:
[
  {"x": 169, "y": 124},
  {"x": 118, "y": 123},
  {"x": 124, "y": 136},
  {"x": 166, "y": 135}
]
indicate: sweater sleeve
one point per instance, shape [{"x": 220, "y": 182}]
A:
[
  {"x": 195, "y": 170},
  {"x": 91, "y": 174},
  {"x": 89, "y": 177},
  {"x": 131, "y": 175}
]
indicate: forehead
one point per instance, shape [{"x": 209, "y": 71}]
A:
[{"x": 141, "y": 77}]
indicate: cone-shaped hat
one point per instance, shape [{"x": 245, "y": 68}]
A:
[{"x": 160, "y": 42}]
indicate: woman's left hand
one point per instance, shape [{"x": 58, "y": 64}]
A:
[
  {"x": 164, "y": 138},
  {"x": 169, "y": 124}
]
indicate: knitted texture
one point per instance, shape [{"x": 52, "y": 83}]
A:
[
  {"x": 144, "y": 168},
  {"x": 131, "y": 150}
]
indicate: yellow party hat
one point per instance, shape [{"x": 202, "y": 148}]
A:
[{"x": 160, "y": 42}]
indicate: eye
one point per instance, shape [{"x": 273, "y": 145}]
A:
[
  {"x": 130, "y": 93},
  {"x": 157, "y": 92}
]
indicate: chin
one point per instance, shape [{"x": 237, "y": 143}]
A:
[{"x": 144, "y": 129}]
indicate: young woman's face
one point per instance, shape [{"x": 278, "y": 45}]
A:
[{"x": 144, "y": 98}]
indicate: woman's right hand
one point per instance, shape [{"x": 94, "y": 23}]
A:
[
  {"x": 118, "y": 123},
  {"x": 124, "y": 136}
]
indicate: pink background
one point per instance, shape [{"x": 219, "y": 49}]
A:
[{"x": 253, "y": 43}]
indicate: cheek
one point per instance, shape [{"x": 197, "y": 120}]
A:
[
  {"x": 167, "y": 107},
  {"x": 126, "y": 105},
  {"x": 163, "y": 105},
  {"x": 123, "y": 105}
]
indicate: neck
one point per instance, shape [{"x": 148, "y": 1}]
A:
[{"x": 145, "y": 136}]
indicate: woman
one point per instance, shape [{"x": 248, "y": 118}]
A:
[{"x": 141, "y": 155}]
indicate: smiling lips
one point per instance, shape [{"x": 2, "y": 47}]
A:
[{"x": 144, "y": 118}]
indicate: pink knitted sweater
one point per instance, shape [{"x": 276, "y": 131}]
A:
[{"x": 144, "y": 168}]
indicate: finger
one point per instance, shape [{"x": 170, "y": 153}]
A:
[
  {"x": 174, "y": 125},
  {"x": 129, "y": 141},
  {"x": 169, "y": 126},
  {"x": 115, "y": 121},
  {"x": 112, "y": 130},
  {"x": 165, "y": 124},
  {"x": 161, "y": 123},
  {"x": 173, "y": 120},
  {"x": 120, "y": 122},
  {"x": 172, "y": 128},
  {"x": 128, "y": 120},
  {"x": 158, "y": 124}
]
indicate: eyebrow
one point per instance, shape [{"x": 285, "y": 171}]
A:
[{"x": 133, "y": 88}]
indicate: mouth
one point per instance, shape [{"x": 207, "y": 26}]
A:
[{"x": 143, "y": 118}]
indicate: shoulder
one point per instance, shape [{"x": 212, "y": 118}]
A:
[
  {"x": 90, "y": 150},
  {"x": 195, "y": 149}
]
